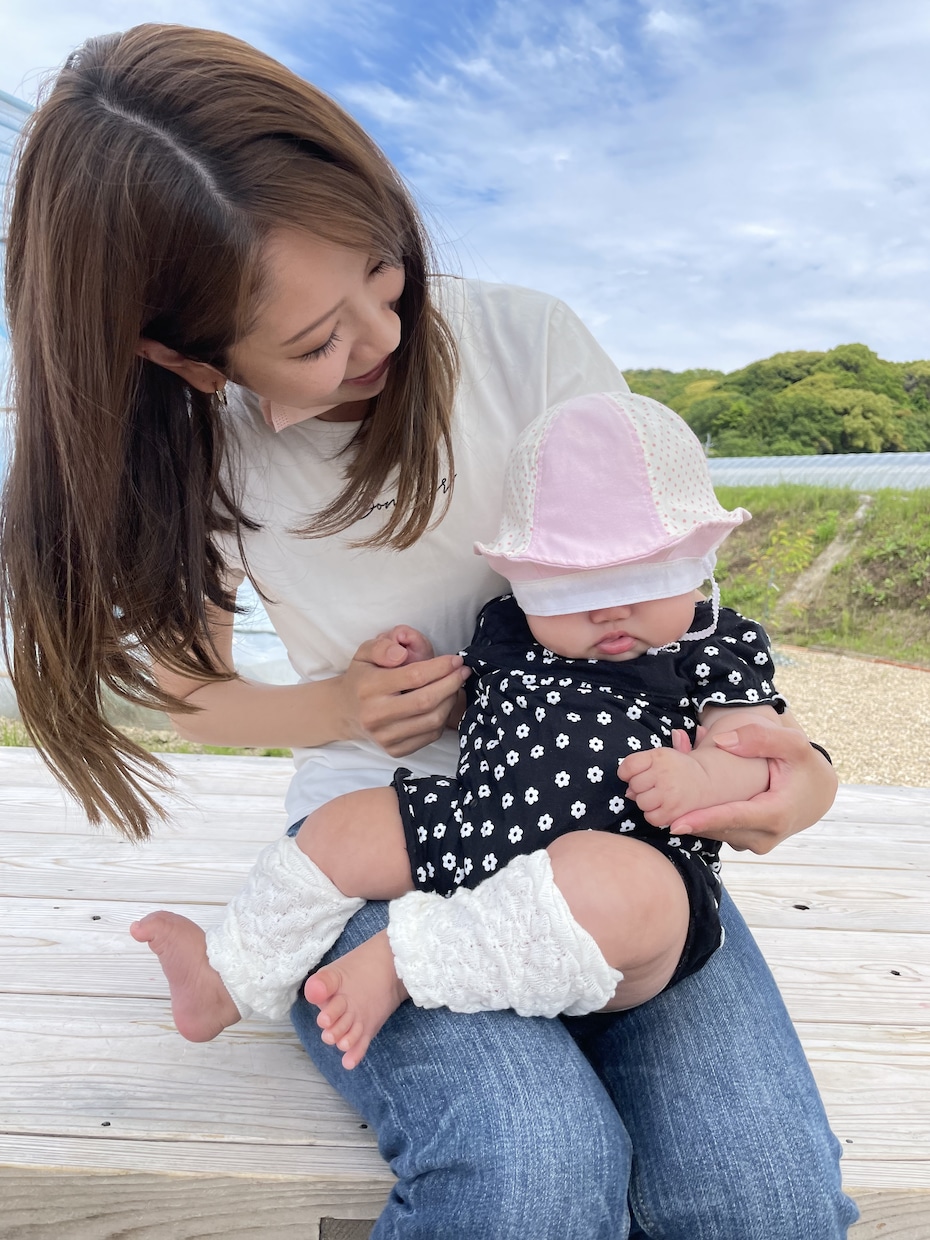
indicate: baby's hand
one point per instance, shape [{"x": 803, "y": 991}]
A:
[
  {"x": 664, "y": 783},
  {"x": 415, "y": 647}
]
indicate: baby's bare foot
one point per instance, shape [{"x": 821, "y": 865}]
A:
[
  {"x": 201, "y": 1005},
  {"x": 355, "y": 996}
]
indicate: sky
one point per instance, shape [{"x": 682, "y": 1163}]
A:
[{"x": 707, "y": 182}]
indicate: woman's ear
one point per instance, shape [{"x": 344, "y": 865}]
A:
[{"x": 200, "y": 375}]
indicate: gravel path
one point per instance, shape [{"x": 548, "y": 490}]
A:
[{"x": 874, "y": 718}]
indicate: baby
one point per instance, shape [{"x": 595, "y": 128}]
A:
[{"x": 567, "y": 892}]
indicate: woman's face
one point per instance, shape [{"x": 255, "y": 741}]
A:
[{"x": 322, "y": 341}]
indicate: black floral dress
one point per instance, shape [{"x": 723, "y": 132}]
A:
[{"x": 541, "y": 739}]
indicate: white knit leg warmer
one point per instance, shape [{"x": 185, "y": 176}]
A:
[
  {"x": 510, "y": 943},
  {"x": 276, "y": 928}
]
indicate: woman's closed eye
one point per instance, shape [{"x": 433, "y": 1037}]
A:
[{"x": 322, "y": 351}]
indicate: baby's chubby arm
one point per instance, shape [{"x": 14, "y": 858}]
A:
[{"x": 666, "y": 783}]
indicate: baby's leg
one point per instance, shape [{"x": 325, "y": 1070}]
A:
[
  {"x": 357, "y": 840},
  {"x": 292, "y": 909},
  {"x": 633, "y": 903},
  {"x": 497, "y": 947}
]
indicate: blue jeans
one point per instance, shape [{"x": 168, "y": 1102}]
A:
[{"x": 694, "y": 1117}]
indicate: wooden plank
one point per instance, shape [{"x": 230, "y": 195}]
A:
[
  {"x": 890, "y": 1215},
  {"x": 68, "y": 1206},
  {"x": 116, "y": 1068},
  {"x": 814, "y": 898},
  {"x": 336, "y": 1163},
  {"x": 175, "y": 870},
  {"x": 849, "y": 976}
]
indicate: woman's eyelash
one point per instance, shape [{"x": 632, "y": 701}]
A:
[{"x": 323, "y": 351}]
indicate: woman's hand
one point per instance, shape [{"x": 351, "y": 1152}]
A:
[
  {"x": 802, "y": 786},
  {"x": 397, "y": 694}
]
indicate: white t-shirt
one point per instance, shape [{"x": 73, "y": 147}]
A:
[{"x": 519, "y": 352}]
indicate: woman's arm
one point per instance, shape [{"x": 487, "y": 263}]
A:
[{"x": 382, "y": 697}]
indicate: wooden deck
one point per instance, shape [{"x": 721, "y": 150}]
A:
[{"x": 112, "y": 1126}]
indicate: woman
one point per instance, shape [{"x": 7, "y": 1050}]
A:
[{"x": 191, "y": 224}]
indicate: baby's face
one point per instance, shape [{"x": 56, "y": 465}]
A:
[{"x": 616, "y": 633}]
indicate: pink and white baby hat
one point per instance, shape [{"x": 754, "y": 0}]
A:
[{"x": 607, "y": 501}]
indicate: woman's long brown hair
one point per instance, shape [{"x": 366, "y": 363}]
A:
[{"x": 147, "y": 183}]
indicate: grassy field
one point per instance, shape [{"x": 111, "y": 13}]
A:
[{"x": 874, "y": 600}]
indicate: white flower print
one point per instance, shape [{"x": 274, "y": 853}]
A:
[
  {"x": 487, "y": 827},
  {"x": 503, "y": 685},
  {"x": 521, "y": 702},
  {"x": 529, "y": 681},
  {"x": 422, "y": 834},
  {"x": 730, "y": 641},
  {"x": 507, "y": 708},
  {"x": 565, "y": 681},
  {"x": 711, "y": 650},
  {"x": 478, "y": 742},
  {"x": 537, "y": 751},
  {"x": 512, "y": 757},
  {"x": 633, "y": 712},
  {"x": 633, "y": 742},
  {"x": 718, "y": 696},
  {"x": 507, "y": 800},
  {"x": 442, "y": 783},
  {"x": 540, "y": 713},
  {"x": 579, "y": 809},
  {"x": 735, "y": 677},
  {"x": 421, "y": 874},
  {"x": 702, "y": 669},
  {"x": 467, "y": 865},
  {"x": 484, "y": 790},
  {"x": 553, "y": 697},
  {"x": 562, "y": 779},
  {"x": 596, "y": 744},
  {"x": 468, "y": 798},
  {"x": 752, "y": 695},
  {"x": 603, "y": 717},
  {"x": 760, "y": 657},
  {"x": 766, "y": 687},
  {"x": 463, "y": 740},
  {"x": 546, "y": 680},
  {"x": 523, "y": 731},
  {"x": 430, "y": 798},
  {"x": 459, "y": 875},
  {"x": 561, "y": 740},
  {"x": 655, "y": 741},
  {"x": 750, "y": 635},
  {"x": 595, "y": 774},
  {"x": 490, "y": 862},
  {"x": 628, "y": 825},
  {"x": 499, "y": 772},
  {"x": 430, "y": 869},
  {"x": 515, "y": 835},
  {"x": 545, "y": 822},
  {"x": 573, "y": 717},
  {"x": 530, "y": 656},
  {"x": 439, "y": 830},
  {"x": 531, "y": 796},
  {"x": 466, "y": 831},
  {"x": 615, "y": 805},
  {"x": 448, "y": 861}
]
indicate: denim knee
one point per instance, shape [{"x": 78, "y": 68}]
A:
[{"x": 538, "y": 1166}]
